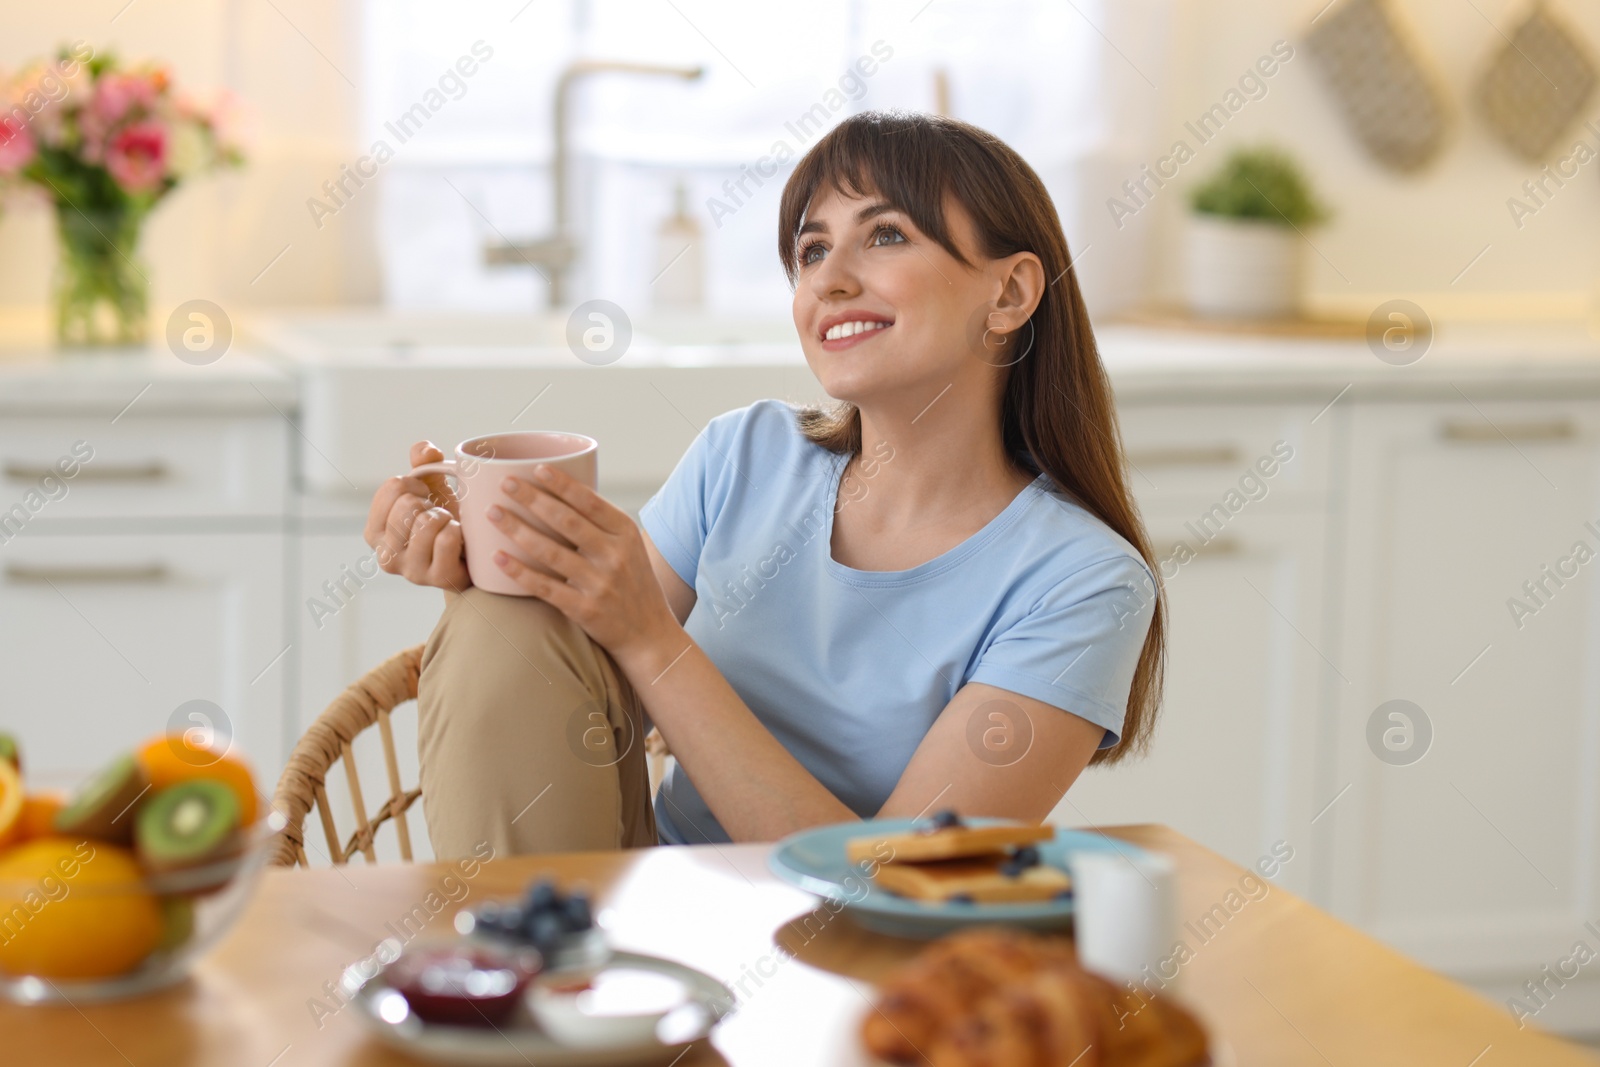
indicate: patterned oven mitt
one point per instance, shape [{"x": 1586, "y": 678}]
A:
[
  {"x": 1389, "y": 96},
  {"x": 1537, "y": 84}
]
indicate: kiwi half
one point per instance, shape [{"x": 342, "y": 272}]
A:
[
  {"x": 9, "y": 751},
  {"x": 102, "y": 808},
  {"x": 188, "y": 825}
]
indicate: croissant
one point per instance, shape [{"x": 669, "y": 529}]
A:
[{"x": 992, "y": 997}]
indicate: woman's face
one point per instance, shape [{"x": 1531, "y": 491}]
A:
[{"x": 882, "y": 309}]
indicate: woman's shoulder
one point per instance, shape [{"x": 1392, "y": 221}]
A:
[
  {"x": 1069, "y": 543},
  {"x": 766, "y": 427},
  {"x": 770, "y": 416}
]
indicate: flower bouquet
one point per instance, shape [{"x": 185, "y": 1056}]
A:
[{"x": 105, "y": 143}]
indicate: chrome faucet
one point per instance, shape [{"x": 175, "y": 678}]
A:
[{"x": 559, "y": 251}]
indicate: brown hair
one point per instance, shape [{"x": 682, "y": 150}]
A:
[{"x": 913, "y": 161}]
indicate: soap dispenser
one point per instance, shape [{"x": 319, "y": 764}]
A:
[{"x": 679, "y": 276}]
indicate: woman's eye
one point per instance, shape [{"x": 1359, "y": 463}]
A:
[
  {"x": 810, "y": 253},
  {"x": 887, "y": 235}
]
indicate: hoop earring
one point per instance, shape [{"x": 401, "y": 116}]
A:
[{"x": 1033, "y": 333}]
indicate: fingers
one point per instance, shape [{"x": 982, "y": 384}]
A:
[
  {"x": 555, "y": 513},
  {"x": 425, "y": 452},
  {"x": 439, "y": 491},
  {"x": 449, "y": 567},
  {"x": 385, "y": 504},
  {"x": 559, "y": 594},
  {"x": 416, "y": 559},
  {"x": 542, "y": 548},
  {"x": 574, "y": 494}
]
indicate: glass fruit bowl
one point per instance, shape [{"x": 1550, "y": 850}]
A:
[{"x": 86, "y": 924}]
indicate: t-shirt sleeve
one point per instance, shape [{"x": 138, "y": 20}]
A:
[
  {"x": 681, "y": 513},
  {"x": 1078, "y": 647}
]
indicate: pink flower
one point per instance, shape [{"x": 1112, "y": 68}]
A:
[
  {"x": 17, "y": 147},
  {"x": 116, "y": 95},
  {"x": 137, "y": 156}
]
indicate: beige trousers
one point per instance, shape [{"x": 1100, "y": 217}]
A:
[{"x": 529, "y": 737}]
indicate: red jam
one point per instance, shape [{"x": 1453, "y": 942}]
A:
[{"x": 462, "y": 986}]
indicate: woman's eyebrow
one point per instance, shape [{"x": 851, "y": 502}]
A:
[{"x": 872, "y": 210}]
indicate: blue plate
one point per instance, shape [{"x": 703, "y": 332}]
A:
[{"x": 814, "y": 860}]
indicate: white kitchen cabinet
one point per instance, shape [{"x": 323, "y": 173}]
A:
[
  {"x": 144, "y": 467},
  {"x": 1234, "y": 761},
  {"x": 1233, "y": 757},
  {"x": 1480, "y": 857},
  {"x": 104, "y": 636}
]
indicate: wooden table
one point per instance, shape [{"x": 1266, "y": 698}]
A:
[{"x": 1282, "y": 983}]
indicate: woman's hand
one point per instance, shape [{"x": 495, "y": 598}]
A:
[
  {"x": 417, "y": 528},
  {"x": 610, "y": 589}
]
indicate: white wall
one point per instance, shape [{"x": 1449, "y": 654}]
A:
[
  {"x": 1393, "y": 234},
  {"x": 212, "y": 237}
]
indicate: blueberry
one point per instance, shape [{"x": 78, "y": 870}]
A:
[
  {"x": 1065, "y": 894},
  {"x": 544, "y": 929},
  {"x": 1026, "y": 856},
  {"x": 946, "y": 820},
  {"x": 499, "y": 920},
  {"x": 575, "y": 911},
  {"x": 539, "y": 896},
  {"x": 960, "y": 898}
]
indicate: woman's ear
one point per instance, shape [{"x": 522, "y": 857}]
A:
[{"x": 1022, "y": 283}]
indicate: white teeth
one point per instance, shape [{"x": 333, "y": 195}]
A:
[{"x": 850, "y": 329}]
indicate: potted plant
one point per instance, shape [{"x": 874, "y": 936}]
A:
[
  {"x": 105, "y": 144},
  {"x": 1246, "y": 244}
]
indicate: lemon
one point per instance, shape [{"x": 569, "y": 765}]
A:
[{"x": 74, "y": 909}]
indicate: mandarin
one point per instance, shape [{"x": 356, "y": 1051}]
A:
[{"x": 172, "y": 758}]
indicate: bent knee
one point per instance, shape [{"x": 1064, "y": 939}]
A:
[{"x": 487, "y": 627}]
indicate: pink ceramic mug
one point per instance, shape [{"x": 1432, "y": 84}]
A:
[{"x": 481, "y": 464}]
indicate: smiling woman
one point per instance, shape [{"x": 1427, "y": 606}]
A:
[{"x": 972, "y": 632}]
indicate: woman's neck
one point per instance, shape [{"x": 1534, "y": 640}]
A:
[{"x": 948, "y": 464}]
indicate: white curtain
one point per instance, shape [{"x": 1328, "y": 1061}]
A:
[{"x": 1071, "y": 84}]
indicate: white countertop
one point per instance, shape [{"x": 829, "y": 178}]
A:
[
  {"x": 39, "y": 381},
  {"x": 1145, "y": 364}
]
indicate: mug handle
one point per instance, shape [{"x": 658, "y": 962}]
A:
[{"x": 433, "y": 475}]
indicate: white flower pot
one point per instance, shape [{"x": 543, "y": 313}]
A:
[{"x": 1243, "y": 268}]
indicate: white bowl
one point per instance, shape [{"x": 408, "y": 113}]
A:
[{"x": 610, "y": 1006}]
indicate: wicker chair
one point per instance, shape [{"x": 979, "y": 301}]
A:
[{"x": 370, "y": 699}]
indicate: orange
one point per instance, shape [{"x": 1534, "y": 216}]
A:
[
  {"x": 39, "y": 814},
  {"x": 74, "y": 909},
  {"x": 10, "y": 804},
  {"x": 172, "y": 758}
]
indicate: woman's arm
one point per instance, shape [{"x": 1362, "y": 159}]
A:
[
  {"x": 679, "y": 593},
  {"x": 614, "y": 590},
  {"x": 994, "y": 752}
]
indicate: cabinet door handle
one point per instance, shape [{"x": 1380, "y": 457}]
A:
[
  {"x": 1217, "y": 546},
  {"x": 1481, "y": 432},
  {"x": 23, "y": 574},
  {"x": 1201, "y": 456},
  {"x": 153, "y": 471}
]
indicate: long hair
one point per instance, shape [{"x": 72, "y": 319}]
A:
[{"x": 1057, "y": 405}]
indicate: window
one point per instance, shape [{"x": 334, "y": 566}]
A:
[{"x": 1036, "y": 72}]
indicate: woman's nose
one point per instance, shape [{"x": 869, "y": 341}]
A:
[{"x": 835, "y": 276}]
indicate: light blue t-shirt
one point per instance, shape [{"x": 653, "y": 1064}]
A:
[{"x": 849, "y": 669}]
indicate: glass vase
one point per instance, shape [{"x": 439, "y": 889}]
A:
[{"x": 102, "y": 294}]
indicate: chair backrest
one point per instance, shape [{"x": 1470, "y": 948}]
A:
[{"x": 368, "y": 700}]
